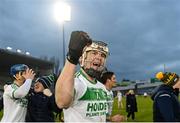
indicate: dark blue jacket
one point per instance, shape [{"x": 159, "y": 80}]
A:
[
  {"x": 166, "y": 107},
  {"x": 40, "y": 107}
]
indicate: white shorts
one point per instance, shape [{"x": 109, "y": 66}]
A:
[{"x": 119, "y": 99}]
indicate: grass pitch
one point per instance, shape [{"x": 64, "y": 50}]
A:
[{"x": 144, "y": 106}]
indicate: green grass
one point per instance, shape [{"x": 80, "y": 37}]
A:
[
  {"x": 144, "y": 113},
  {"x": 1, "y": 114}
]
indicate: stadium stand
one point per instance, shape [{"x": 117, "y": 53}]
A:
[{"x": 9, "y": 58}]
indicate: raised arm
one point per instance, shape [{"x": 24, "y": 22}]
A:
[
  {"x": 65, "y": 86},
  {"x": 64, "y": 90},
  {"x": 23, "y": 90}
]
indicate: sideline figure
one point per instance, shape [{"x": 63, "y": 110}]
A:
[
  {"x": 81, "y": 93},
  {"x": 166, "y": 106},
  {"x": 119, "y": 96},
  {"x": 109, "y": 80},
  {"x": 131, "y": 104},
  {"x": 14, "y": 97}
]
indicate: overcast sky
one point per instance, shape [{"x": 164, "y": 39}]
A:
[{"x": 142, "y": 35}]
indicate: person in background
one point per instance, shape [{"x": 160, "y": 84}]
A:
[
  {"x": 119, "y": 96},
  {"x": 14, "y": 97},
  {"x": 145, "y": 95},
  {"x": 80, "y": 93},
  {"x": 131, "y": 104},
  {"x": 166, "y": 106},
  {"x": 109, "y": 80},
  {"x": 41, "y": 101},
  {"x": 1, "y": 98}
]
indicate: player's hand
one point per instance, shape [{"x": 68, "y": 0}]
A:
[
  {"x": 78, "y": 41},
  {"x": 29, "y": 74},
  {"x": 47, "y": 92},
  {"x": 118, "y": 118}
]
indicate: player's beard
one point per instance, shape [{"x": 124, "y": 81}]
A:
[{"x": 94, "y": 73}]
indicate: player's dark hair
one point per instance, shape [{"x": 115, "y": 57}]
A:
[{"x": 105, "y": 76}]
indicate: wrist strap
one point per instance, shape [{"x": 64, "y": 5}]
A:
[{"x": 72, "y": 59}]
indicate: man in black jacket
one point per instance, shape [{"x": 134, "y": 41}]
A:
[
  {"x": 166, "y": 107},
  {"x": 131, "y": 104},
  {"x": 41, "y": 103}
]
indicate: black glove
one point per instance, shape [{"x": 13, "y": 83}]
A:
[{"x": 78, "y": 41}]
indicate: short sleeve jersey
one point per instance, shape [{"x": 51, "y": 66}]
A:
[
  {"x": 90, "y": 101},
  {"x": 110, "y": 102}
]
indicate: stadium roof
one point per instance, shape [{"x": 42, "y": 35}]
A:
[
  {"x": 9, "y": 58},
  {"x": 146, "y": 85}
]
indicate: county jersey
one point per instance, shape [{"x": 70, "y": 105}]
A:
[
  {"x": 90, "y": 101},
  {"x": 15, "y": 103},
  {"x": 110, "y": 102}
]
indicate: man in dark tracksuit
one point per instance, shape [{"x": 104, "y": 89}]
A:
[
  {"x": 41, "y": 102},
  {"x": 166, "y": 107}
]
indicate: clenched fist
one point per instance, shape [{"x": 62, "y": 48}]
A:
[
  {"x": 78, "y": 41},
  {"x": 47, "y": 92}
]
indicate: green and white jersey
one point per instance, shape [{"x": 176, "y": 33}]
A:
[
  {"x": 90, "y": 101},
  {"x": 15, "y": 102},
  {"x": 110, "y": 102}
]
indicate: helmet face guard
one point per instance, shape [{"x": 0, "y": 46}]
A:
[
  {"x": 99, "y": 46},
  {"x": 18, "y": 68},
  {"x": 95, "y": 46}
]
